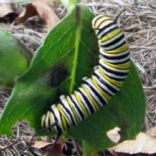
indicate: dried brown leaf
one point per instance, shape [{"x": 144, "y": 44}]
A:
[
  {"x": 45, "y": 9},
  {"x": 114, "y": 135},
  {"x": 142, "y": 144},
  {"x": 41, "y": 144},
  {"x": 28, "y": 12},
  {"x": 7, "y": 13},
  {"x": 152, "y": 131},
  {"x": 47, "y": 146},
  {"x": 58, "y": 148},
  {"x": 5, "y": 9}
]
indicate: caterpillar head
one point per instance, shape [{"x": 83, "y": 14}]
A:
[{"x": 100, "y": 24}]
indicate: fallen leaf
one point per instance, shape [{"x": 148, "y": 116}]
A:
[
  {"x": 7, "y": 13},
  {"x": 45, "y": 9},
  {"x": 29, "y": 11},
  {"x": 114, "y": 135},
  {"x": 142, "y": 144},
  {"x": 152, "y": 131},
  {"x": 47, "y": 146},
  {"x": 41, "y": 144}
]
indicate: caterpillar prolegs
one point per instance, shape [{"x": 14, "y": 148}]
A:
[{"x": 107, "y": 79}]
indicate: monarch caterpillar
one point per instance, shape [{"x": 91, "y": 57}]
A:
[{"x": 107, "y": 79}]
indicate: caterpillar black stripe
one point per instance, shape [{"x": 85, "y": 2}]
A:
[{"x": 107, "y": 79}]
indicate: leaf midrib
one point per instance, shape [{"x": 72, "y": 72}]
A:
[{"x": 75, "y": 60}]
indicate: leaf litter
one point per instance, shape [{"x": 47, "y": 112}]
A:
[
  {"x": 44, "y": 9},
  {"x": 138, "y": 23}
]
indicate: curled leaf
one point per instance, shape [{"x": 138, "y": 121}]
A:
[
  {"x": 7, "y": 13},
  {"x": 45, "y": 9},
  {"x": 142, "y": 144},
  {"x": 47, "y": 146}
]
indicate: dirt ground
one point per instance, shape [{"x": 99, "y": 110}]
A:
[{"x": 139, "y": 25}]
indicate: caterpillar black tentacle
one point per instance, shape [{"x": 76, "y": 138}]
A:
[{"x": 107, "y": 79}]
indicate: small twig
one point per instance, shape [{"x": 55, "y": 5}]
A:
[{"x": 12, "y": 144}]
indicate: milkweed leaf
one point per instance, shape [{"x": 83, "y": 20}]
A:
[{"x": 14, "y": 59}]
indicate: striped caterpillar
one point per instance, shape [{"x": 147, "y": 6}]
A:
[{"x": 107, "y": 79}]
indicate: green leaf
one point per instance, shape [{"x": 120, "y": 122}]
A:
[
  {"x": 89, "y": 150},
  {"x": 14, "y": 59},
  {"x": 126, "y": 110},
  {"x": 58, "y": 66}
]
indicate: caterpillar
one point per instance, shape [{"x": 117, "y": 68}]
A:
[{"x": 107, "y": 79}]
